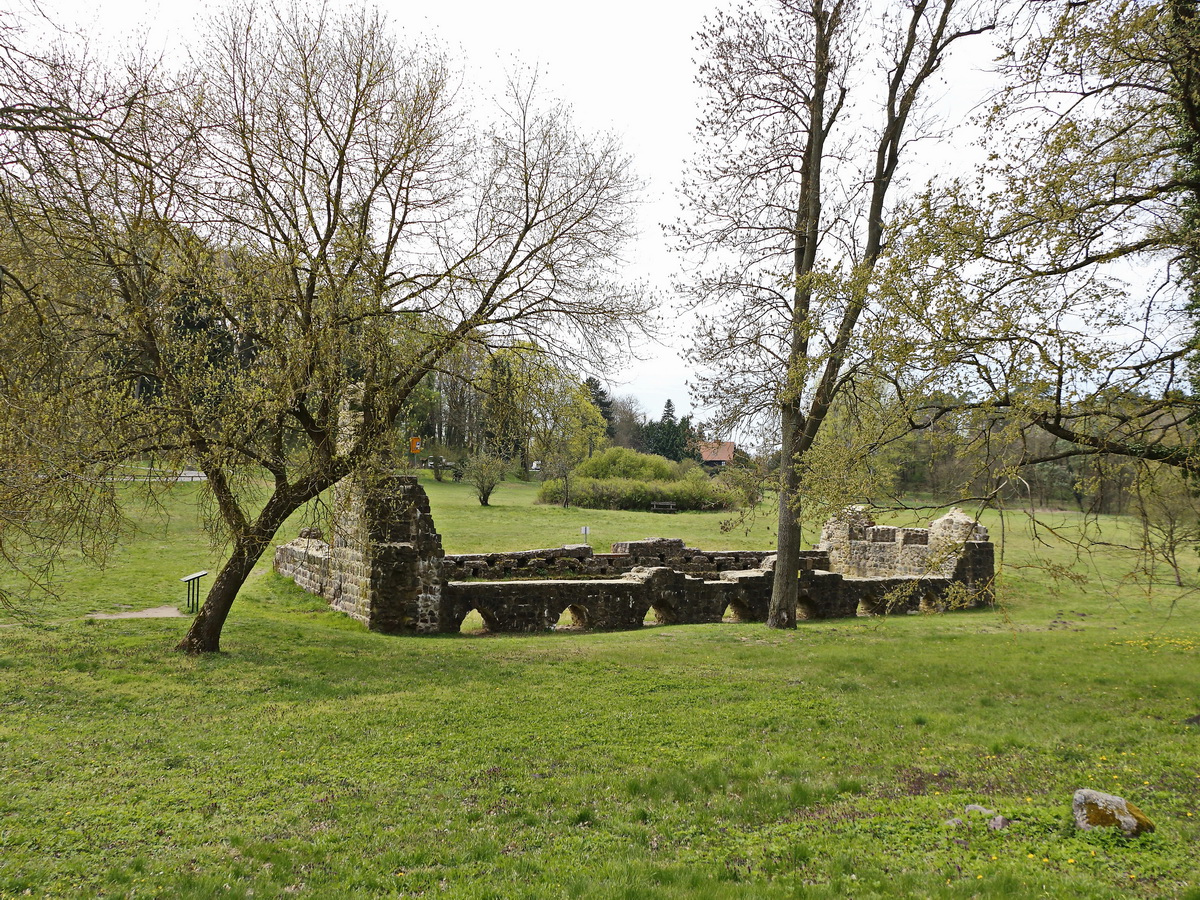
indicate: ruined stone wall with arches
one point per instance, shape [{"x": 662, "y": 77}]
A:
[{"x": 384, "y": 565}]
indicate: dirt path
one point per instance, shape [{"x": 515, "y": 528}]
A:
[{"x": 157, "y": 612}]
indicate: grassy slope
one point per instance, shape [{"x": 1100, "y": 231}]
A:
[{"x": 316, "y": 759}]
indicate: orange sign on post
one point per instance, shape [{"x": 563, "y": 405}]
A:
[{"x": 414, "y": 445}]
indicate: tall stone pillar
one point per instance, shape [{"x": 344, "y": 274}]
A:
[
  {"x": 404, "y": 556},
  {"x": 386, "y": 556}
]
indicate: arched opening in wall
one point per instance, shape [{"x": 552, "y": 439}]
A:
[
  {"x": 580, "y": 618},
  {"x": 870, "y": 606},
  {"x": 804, "y": 607},
  {"x": 663, "y": 612},
  {"x": 490, "y": 622},
  {"x": 452, "y": 616},
  {"x": 472, "y": 623},
  {"x": 931, "y": 602},
  {"x": 738, "y": 612}
]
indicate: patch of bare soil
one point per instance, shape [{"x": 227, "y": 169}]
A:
[{"x": 157, "y": 612}]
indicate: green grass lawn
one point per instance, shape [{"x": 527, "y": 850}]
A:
[
  {"x": 513, "y": 521},
  {"x": 315, "y": 759}
]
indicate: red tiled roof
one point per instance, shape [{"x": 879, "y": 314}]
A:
[{"x": 717, "y": 451}]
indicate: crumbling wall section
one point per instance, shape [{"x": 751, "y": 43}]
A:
[
  {"x": 383, "y": 566},
  {"x": 306, "y": 561},
  {"x": 581, "y": 561},
  {"x": 859, "y": 548}
]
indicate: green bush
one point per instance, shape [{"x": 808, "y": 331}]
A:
[
  {"x": 621, "y": 462},
  {"x": 695, "y": 492}
]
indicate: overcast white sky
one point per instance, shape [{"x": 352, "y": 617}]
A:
[{"x": 626, "y": 65}]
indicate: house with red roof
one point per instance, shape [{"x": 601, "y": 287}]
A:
[{"x": 717, "y": 454}]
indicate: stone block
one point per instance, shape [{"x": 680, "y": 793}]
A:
[
  {"x": 650, "y": 547},
  {"x": 1093, "y": 809}
]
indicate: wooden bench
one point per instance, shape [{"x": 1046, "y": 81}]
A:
[{"x": 662, "y": 506}]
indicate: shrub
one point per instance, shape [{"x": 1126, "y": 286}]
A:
[
  {"x": 621, "y": 462},
  {"x": 695, "y": 492},
  {"x": 486, "y": 472}
]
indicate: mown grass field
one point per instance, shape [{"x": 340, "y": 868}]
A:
[{"x": 315, "y": 759}]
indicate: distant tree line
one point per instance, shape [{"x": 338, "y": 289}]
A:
[
  {"x": 875, "y": 448},
  {"x": 993, "y": 466},
  {"x": 500, "y": 401}
]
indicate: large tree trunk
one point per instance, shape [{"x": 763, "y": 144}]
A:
[
  {"x": 784, "y": 589},
  {"x": 205, "y": 634},
  {"x": 805, "y": 237}
]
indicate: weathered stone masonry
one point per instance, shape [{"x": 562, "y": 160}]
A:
[
  {"x": 579, "y": 560},
  {"x": 385, "y": 567}
]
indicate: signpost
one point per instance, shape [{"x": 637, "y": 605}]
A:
[{"x": 193, "y": 588}]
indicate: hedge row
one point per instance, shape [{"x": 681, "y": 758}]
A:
[
  {"x": 621, "y": 462},
  {"x": 692, "y": 493}
]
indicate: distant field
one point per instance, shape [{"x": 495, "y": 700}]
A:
[
  {"x": 513, "y": 521},
  {"x": 315, "y": 759}
]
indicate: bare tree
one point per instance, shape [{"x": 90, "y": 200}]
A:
[
  {"x": 37, "y": 93},
  {"x": 567, "y": 427},
  {"x": 790, "y": 211},
  {"x": 307, "y": 221},
  {"x": 1169, "y": 514},
  {"x": 628, "y": 419},
  {"x": 57, "y": 487}
]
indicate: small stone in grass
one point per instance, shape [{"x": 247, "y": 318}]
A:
[
  {"x": 975, "y": 807},
  {"x": 998, "y": 823}
]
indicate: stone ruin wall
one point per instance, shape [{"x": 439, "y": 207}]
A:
[
  {"x": 384, "y": 564},
  {"x": 860, "y": 548},
  {"x": 954, "y": 548},
  {"x": 385, "y": 567},
  {"x": 581, "y": 561}
]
